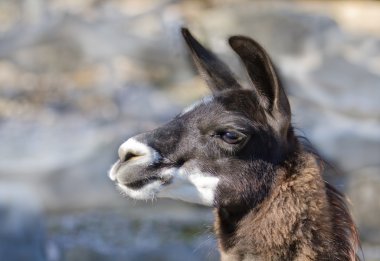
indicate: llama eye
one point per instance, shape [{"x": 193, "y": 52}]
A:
[{"x": 231, "y": 137}]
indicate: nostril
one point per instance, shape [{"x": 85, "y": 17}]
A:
[
  {"x": 135, "y": 151},
  {"x": 129, "y": 156}
]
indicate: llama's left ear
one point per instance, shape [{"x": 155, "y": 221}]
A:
[
  {"x": 262, "y": 73},
  {"x": 217, "y": 75}
]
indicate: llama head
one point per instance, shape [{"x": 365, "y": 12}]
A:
[{"x": 222, "y": 147}]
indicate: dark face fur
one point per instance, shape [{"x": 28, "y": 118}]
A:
[{"x": 222, "y": 150}]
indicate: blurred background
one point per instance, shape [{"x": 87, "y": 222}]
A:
[{"x": 79, "y": 77}]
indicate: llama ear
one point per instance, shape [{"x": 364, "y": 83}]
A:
[
  {"x": 262, "y": 73},
  {"x": 217, "y": 75}
]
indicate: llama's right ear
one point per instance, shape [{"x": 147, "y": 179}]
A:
[
  {"x": 217, "y": 75},
  {"x": 262, "y": 73}
]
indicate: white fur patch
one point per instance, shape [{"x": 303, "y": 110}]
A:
[
  {"x": 190, "y": 186},
  {"x": 144, "y": 153},
  {"x": 147, "y": 192},
  {"x": 204, "y": 100},
  {"x": 206, "y": 186},
  {"x": 112, "y": 172}
]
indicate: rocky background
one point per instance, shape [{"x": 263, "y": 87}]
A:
[{"x": 79, "y": 77}]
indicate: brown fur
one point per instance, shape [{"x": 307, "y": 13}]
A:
[{"x": 304, "y": 218}]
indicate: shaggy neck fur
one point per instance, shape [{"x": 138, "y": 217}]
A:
[{"x": 303, "y": 218}]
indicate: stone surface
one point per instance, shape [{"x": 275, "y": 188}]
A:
[
  {"x": 79, "y": 77},
  {"x": 22, "y": 231},
  {"x": 117, "y": 235},
  {"x": 363, "y": 191}
]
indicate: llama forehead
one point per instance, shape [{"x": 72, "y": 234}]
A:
[
  {"x": 204, "y": 101},
  {"x": 243, "y": 102},
  {"x": 221, "y": 109}
]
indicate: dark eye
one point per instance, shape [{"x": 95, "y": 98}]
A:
[{"x": 231, "y": 137}]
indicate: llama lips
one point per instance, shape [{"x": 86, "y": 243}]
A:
[
  {"x": 136, "y": 176},
  {"x": 141, "y": 183},
  {"x": 158, "y": 176}
]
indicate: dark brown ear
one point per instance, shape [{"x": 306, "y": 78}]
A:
[
  {"x": 217, "y": 75},
  {"x": 262, "y": 73}
]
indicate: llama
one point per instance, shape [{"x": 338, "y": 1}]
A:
[{"x": 237, "y": 152}]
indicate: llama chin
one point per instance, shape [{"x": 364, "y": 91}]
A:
[{"x": 192, "y": 186}]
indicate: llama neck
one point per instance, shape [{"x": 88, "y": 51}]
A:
[{"x": 294, "y": 223}]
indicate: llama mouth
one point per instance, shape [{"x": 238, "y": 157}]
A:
[{"x": 141, "y": 183}]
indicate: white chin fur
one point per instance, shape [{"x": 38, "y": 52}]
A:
[
  {"x": 190, "y": 186},
  {"x": 148, "y": 192}
]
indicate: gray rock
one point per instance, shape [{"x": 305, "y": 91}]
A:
[
  {"x": 22, "y": 233},
  {"x": 282, "y": 29},
  {"x": 110, "y": 235},
  {"x": 146, "y": 104},
  {"x": 363, "y": 191},
  {"x": 63, "y": 68},
  {"x": 69, "y": 159},
  {"x": 347, "y": 87},
  {"x": 350, "y": 142}
]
